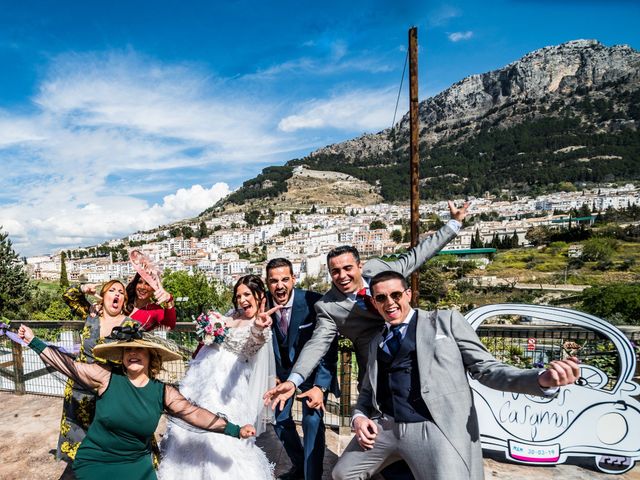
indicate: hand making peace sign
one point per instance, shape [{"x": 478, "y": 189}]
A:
[{"x": 263, "y": 320}]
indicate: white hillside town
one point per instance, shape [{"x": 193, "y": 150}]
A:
[{"x": 306, "y": 236}]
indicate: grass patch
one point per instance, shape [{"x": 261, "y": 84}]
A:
[
  {"x": 48, "y": 286},
  {"x": 549, "y": 265}
]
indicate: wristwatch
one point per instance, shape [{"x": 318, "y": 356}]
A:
[{"x": 323, "y": 389}]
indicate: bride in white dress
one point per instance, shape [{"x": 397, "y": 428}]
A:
[{"x": 228, "y": 377}]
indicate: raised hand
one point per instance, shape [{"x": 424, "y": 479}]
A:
[
  {"x": 264, "y": 320},
  {"x": 89, "y": 289},
  {"x": 247, "y": 431},
  {"x": 162, "y": 296},
  {"x": 315, "y": 398},
  {"x": 25, "y": 333},
  {"x": 560, "y": 372},
  {"x": 458, "y": 214},
  {"x": 279, "y": 394}
]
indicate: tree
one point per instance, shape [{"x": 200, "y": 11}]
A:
[
  {"x": 396, "y": 236},
  {"x": 252, "y": 217},
  {"x": 538, "y": 235},
  {"x": 599, "y": 249},
  {"x": 584, "y": 211},
  {"x": 57, "y": 310},
  {"x": 174, "y": 232},
  {"x": 15, "y": 289},
  {"x": 64, "y": 279},
  {"x": 202, "y": 231},
  {"x": 316, "y": 284},
  {"x": 432, "y": 222},
  {"x": 618, "y": 303},
  {"x": 201, "y": 294},
  {"x": 285, "y": 232},
  {"x": 187, "y": 231},
  {"x": 515, "y": 242},
  {"x": 433, "y": 284},
  {"x": 377, "y": 225},
  {"x": 476, "y": 241}
]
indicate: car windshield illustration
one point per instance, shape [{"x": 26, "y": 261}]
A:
[{"x": 597, "y": 417}]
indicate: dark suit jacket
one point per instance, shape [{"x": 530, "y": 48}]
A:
[{"x": 302, "y": 323}]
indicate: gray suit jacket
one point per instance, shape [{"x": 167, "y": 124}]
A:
[
  {"x": 337, "y": 314},
  {"x": 447, "y": 348}
]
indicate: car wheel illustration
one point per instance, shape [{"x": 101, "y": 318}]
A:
[
  {"x": 592, "y": 377},
  {"x": 613, "y": 464}
]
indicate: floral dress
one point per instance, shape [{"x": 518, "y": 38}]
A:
[{"x": 79, "y": 405}]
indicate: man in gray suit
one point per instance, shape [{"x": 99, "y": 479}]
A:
[
  {"x": 347, "y": 309},
  {"x": 416, "y": 403}
]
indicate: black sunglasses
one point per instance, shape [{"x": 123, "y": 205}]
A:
[{"x": 395, "y": 296}]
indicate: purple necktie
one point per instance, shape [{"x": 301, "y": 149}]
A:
[{"x": 283, "y": 324}]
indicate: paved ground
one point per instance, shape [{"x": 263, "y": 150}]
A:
[{"x": 29, "y": 431}]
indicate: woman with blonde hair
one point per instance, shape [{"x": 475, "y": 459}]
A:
[
  {"x": 79, "y": 403},
  {"x": 152, "y": 308},
  {"x": 130, "y": 403}
]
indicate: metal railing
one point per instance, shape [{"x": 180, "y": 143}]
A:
[{"x": 22, "y": 371}]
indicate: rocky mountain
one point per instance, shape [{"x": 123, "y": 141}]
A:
[{"x": 566, "y": 113}]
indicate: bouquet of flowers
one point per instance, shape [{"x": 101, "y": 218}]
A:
[{"x": 210, "y": 328}]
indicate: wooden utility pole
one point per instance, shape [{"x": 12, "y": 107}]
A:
[{"x": 413, "y": 150}]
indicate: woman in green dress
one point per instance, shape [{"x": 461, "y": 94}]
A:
[{"x": 130, "y": 403}]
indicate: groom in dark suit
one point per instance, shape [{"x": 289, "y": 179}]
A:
[{"x": 292, "y": 327}]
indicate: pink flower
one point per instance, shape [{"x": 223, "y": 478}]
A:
[
  {"x": 219, "y": 331},
  {"x": 209, "y": 329}
]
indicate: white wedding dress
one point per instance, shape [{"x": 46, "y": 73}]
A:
[{"x": 228, "y": 378}]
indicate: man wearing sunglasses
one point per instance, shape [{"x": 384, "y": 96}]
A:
[{"x": 416, "y": 403}]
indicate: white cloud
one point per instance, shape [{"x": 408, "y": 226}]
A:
[
  {"x": 458, "y": 36},
  {"x": 442, "y": 15},
  {"x": 360, "y": 110},
  {"x": 114, "y": 143},
  {"x": 188, "y": 202},
  {"x": 46, "y": 227},
  {"x": 336, "y": 60},
  {"x": 101, "y": 126}
]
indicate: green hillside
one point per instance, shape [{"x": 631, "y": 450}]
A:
[{"x": 519, "y": 158}]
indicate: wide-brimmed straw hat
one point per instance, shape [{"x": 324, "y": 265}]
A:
[{"x": 130, "y": 335}]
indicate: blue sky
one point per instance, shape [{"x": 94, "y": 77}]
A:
[{"x": 120, "y": 116}]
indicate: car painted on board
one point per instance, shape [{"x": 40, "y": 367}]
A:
[{"x": 595, "y": 418}]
